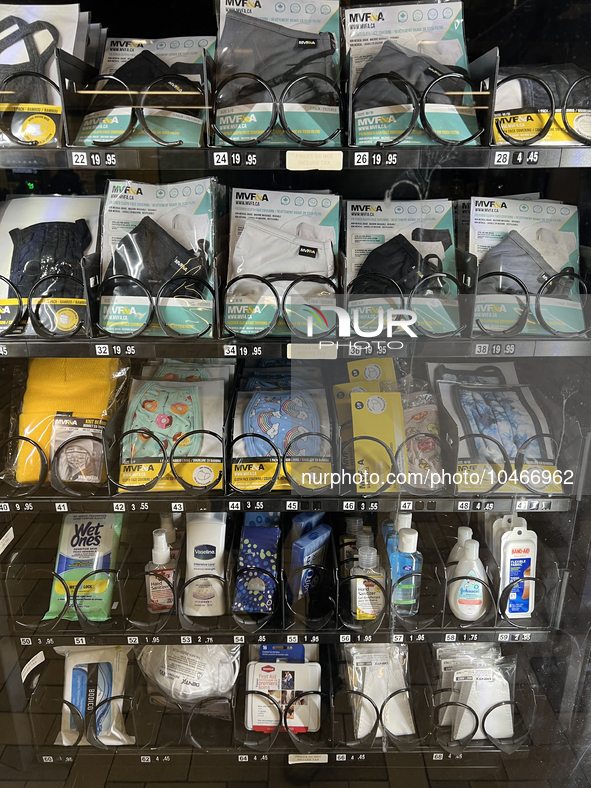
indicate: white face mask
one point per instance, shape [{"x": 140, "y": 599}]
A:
[{"x": 186, "y": 674}]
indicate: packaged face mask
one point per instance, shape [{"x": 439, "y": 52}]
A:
[
  {"x": 278, "y": 43},
  {"x": 153, "y": 233},
  {"x": 455, "y": 657},
  {"x": 481, "y": 689},
  {"x": 93, "y": 674},
  {"x": 87, "y": 543},
  {"x": 187, "y": 49},
  {"x": 186, "y": 674},
  {"x": 532, "y": 240}
]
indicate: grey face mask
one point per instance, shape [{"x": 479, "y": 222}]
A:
[
  {"x": 275, "y": 54},
  {"x": 27, "y": 89},
  {"x": 514, "y": 255},
  {"x": 557, "y": 78}
]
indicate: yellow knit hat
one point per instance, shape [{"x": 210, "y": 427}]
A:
[{"x": 80, "y": 386}]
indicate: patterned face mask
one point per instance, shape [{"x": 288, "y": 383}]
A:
[
  {"x": 168, "y": 412},
  {"x": 282, "y": 418},
  {"x": 185, "y": 373},
  {"x": 261, "y": 381}
]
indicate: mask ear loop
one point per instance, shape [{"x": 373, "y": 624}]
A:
[
  {"x": 538, "y": 305},
  {"x": 195, "y": 88},
  {"x": 268, "y": 131},
  {"x": 282, "y": 119},
  {"x": 520, "y": 457},
  {"x": 402, "y": 447},
  {"x": 428, "y": 128},
  {"x": 56, "y": 481},
  {"x": 196, "y": 489},
  {"x": 160, "y": 474},
  {"x": 506, "y": 461},
  {"x": 518, "y": 327},
  {"x": 306, "y": 278},
  {"x": 547, "y": 126},
  {"x": 38, "y": 326},
  {"x": 20, "y": 309},
  {"x": 29, "y": 491},
  {"x": 379, "y": 278},
  {"x": 162, "y": 322},
  {"x": 296, "y": 487},
  {"x": 393, "y": 78},
  {"x": 265, "y": 487},
  {"x": 272, "y": 324},
  {"x": 5, "y": 128},
  {"x": 413, "y": 293},
  {"x": 565, "y": 120},
  {"x": 147, "y": 321},
  {"x": 132, "y": 115}
]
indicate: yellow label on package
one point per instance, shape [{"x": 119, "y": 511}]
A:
[
  {"x": 375, "y": 370},
  {"x": 377, "y": 416},
  {"x": 308, "y": 472},
  {"x": 342, "y": 396},
  {"x": 198, "y": 472},
  {"x": 523, "y": 125}
]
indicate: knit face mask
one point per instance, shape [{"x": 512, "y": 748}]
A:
[
  {"x": 169, "y": 413},
  {"x": 282, "y": 418}
]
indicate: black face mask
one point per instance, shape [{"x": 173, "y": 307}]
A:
[
  {"x": 27, "y": 89},
  {"x": 49, "y": 248},
  {"x": 398, "y": 260},
  {"x": 148, "y": 253}
]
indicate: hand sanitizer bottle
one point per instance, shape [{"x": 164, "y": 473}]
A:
[
  {"x": 403, "y": 520},
  {"x": 167, "y": 524},
  {"x": 407, "y": 560},
  {"x": 469, "y": 600},
  {"x": 348, "y": 544},
  {"x": 159, "y": 594},
  {"x": 367, "y": 599}
]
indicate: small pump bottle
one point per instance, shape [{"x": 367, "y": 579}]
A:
[
  {"x": 406, "y": 561},
  {"x": 464, "y": 533},
  {"x": 159, "y": 594},
  {"x": 469, "y": 600},
  {"x": 367, "y": 599},
  {"x": 348, "y": 544},
  {"x": 403, "y": 520}
]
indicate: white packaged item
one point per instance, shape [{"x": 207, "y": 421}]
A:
[
  {"x": 519, "y": 552},
  {"x": 188, "y": 673},
  {"x": 93, "y": 674},
  {"x": 469, "y": 599},
  {"x": 481, "y": 689},
  {"x": 205, "y": 545},
  {"x": 452, "y": 657},
  {"x": 378, "y": 670},
  {"x": 283, "y": 682}
]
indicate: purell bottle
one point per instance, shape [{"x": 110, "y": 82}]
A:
[{"x": 468, "y": 599}]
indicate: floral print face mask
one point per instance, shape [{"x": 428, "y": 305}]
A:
[{"x": 167, "y": 411}]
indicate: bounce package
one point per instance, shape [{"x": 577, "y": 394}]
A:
[
  {"x": 420, "y": 42},
  {"x": 392, "y": 247},
  {"x": 88, "y": 544},
  {"x": 280, "y": 236},
  {"x": 154, "y": 233},
  {"x": 277, "y": 73},
  {"x": 526, "y": 246}
]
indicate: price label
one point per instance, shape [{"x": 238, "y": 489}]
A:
[
  {"x": 93, "y": 159},
  {"x": 406, "y": 506},
  {"x": 101, "y": 350},
  {"x": 4, "y": 507},
  {"x": 230, "y": 350},
  {"x": 238, "y": 638},
  {"x": 177, "y": 507},
  {"x": 118, "y": 506},
  {"x": 220, "y": 159},
  {"x": 489, "y": 506},
  {"x": 3, "y": 350},
  {"x": 341, "y": 756},
  {"x": 251, "y": 160},
  {"x": 521, "y": 506},
  {"x": 79, "y": 641},
  {"x": 450, "y": 638},
  {"x": 463, "y": 506},
  {"x": 348, "y": 506},
  {"x": 235, "y": 506},
  {"x": 510, "y": 349},
  {"x": 481, "y": 349},
  {"x": 145, "y": 759},
  {"x": 345, "y": 638},
  {"x": 503, "y": 637},
  {"x": 361, "y": 159},
  {"x": 133, "y": 640},
  {"x": 186, "y": 639},
  {"x": 242, "y": 758},
  {"x": 26, "y": 641},
  {"x": 61, "y": 507},
  {"x": 437, "y": 756},
  {"x": 292, "y": 638},
  {"x": 397, "y": 638},
  {"x": 292, "y": 506},
  {"x": 502, "y": 158}
]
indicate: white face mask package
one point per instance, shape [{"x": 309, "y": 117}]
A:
[
  {"x": 481, "y": 688},
  {"x": 34, "y": 232},
  {"x": 186, "y": 49},
  {"x": 383, "y": 237},
  {"x": 462, "y": 217},
  {"x": 93, "y": 674},
  {"x": 188, "y": 673},
  {"x": 423, "y": 30},
  {"x": 284, "y": 682},
  {"x": 153, "y": 232},
  {"x": 280, "y": 236},
  {"x": 378, "y": 670},
  {"x": 532, "y": 240}
]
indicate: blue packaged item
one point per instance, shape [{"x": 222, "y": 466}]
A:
[
  {"x": 279, "y": 652},
  {"x": 304, "y": 522},
  {"x": 307, "y": 550},
  {"x": 259, "y": 381},
  {"x": 281, "y": 417},
  {"x": 261, "y": 519},
  {"x": 255, "y": 590}
]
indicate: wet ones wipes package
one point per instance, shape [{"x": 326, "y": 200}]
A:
[{"x": 531, "y": 241}]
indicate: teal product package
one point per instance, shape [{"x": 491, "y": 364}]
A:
[
  {"x": 153, "y": 232},
  {"x": 186, "y": 49},
  {"x": 532, "y": 240},
  {"x": 428, "y": 225},
  {"x": 278, "y": 43},
  {"x": 425, "y": 36},
  {"x": 88, "y": 543},
  {"x": 280, "y": 236}
]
